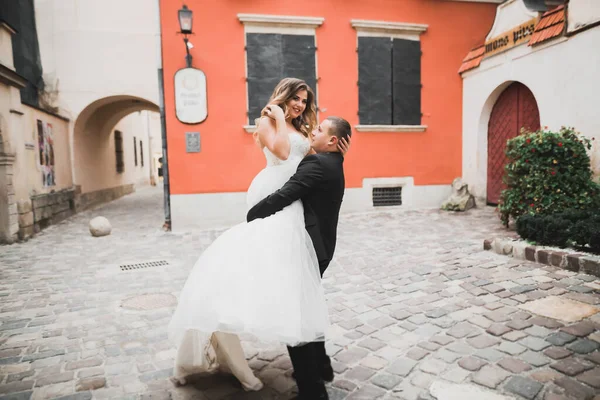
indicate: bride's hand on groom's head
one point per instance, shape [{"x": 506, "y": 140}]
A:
[{"x": 344, "y": 145}]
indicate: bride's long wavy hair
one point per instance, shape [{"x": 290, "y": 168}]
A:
[{"x": 285, "y": 91}]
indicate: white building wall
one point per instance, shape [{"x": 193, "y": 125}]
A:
[{"x": 563, "y": 76}]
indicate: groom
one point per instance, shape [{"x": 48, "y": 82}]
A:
[{"x": 319, "y": 183}]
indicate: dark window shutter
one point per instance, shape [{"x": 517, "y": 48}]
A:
[
  {"x": 299, "y": 58},
  {"x": 375, "y": 80},
  {"x": 26, "y": 51},
  {"x": 406, "y": 82},
  {"x": 265, "y": 69}
]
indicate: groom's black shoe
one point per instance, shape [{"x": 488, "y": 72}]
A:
[{"x": 326, "y": 373}]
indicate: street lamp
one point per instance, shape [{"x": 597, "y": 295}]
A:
[{"x": 185, "y": 27}]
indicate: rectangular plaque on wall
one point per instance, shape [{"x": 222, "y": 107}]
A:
[{"x": 192, "y": 142}]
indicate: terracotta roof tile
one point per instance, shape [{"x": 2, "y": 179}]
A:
[
  {"x": 551, "y": 25},
  {"x": 473, "y": 59}
]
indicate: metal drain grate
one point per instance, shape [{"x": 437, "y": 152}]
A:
[
  {"x": 149, "y": 264},
  {"x": 387, "y": 196}
]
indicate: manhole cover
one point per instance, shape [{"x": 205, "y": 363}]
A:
[{"x": 149, "y": 301}]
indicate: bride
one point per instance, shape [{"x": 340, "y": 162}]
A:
[{"x": 261, "y": 278}]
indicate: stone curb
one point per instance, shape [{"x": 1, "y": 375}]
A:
[{"x": 521, "y": 250}]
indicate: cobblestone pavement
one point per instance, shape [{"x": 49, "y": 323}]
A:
[{"x": 418, "y": 310}]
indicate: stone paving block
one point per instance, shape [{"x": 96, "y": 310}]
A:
[
  {"x": 386, "y": 381},
  {"x": 371, "y": 344},
  {"x": 441, "y": 340},
  {"x": 547, "y": 322},
  {"x": 557, "y": 353},
  {"x": 524, "y": 387},
  {"x": 359, "y": 374},
  {"x": 514, "y": 365},
  {"x": 511, "y": 348},
  {"x": 52, "y": 379},
  {"x": 490, "y": 376},
  {"x": 519, "y": 324},
  {"x": 90, "y": 384},
  {"x": 483, "y": 341},
  {"x": 416, "y": 353},
  {"x": 368, "y": 392},
  {"x": 456, "y": 374},
  {"x": 498, "y": 329},
  {"x": 571, "y": 366},
  {"x": 462, "y": 330},
  {"x": 402, "y": 366},
  {"x": 472, "y": 363},
  {"x": 373, "y": 362},
  {"x": 433, "y": 366},
  {"x": 534, "y": 358},
  {"x": 429, "y": 346},
  {"x": 480, "y": 321},
  {"x": 594, "y": 357},
  {"x": 534, "y": 343},
  {"x": 560, "y": 338},
  {"x": 496, "y": 316},
  {"x": 575, "y": 389},
  {"x": 538, "y": 331},
  {"x": 421, "y": 380},
  {"x": 545, "y": 375},
  {"x": 591, "y": 377},
  {"x": 514, "y": 336},
  {"x": 584, "y": 346},
  {"x": 447, "y": 356},
  {"x": 490, "y": 354},
  {"x": 351, "y": 356}
]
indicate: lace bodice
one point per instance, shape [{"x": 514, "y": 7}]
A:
[{"x": 299, "y": 147}]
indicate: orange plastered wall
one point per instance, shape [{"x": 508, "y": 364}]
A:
[{"x": 229, "y": 159}]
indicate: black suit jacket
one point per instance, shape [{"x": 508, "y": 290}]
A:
[{"x": 319, "y": 183}]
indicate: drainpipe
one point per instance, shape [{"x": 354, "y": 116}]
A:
[{"x": 163, "y": 130}]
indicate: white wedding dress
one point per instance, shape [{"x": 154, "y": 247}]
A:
[{"x": 260, "y": 278}]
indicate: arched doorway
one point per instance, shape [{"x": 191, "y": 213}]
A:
[
  {"x": 114, "y": 142},
  {"x": 515, "y": 109}
]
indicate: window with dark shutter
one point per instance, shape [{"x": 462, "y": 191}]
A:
[
  {"x": 389, "y": 76},
  {"x": 272, "y": 57},
  {"x": 119, "y": 151}
]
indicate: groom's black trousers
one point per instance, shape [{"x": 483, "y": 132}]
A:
[{"x": 309, "y": 361}]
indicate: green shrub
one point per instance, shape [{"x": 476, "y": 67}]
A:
[
  {"x": 547, "y": 173},
  {"x": 576, "y": 228}
]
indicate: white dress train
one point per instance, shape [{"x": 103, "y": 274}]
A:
[{"x": 260, "y": 278}]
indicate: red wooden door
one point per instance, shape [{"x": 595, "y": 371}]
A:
[{"x": 516, "y": 108}]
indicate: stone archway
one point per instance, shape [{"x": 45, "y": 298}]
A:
[
  {"x": 94, "y": 149},
  {"x": 515, "y": 109}
]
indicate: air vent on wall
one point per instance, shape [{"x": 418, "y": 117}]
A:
[{"x": 387, "y": 196}]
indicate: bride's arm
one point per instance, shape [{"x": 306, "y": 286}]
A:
[{"x": 272, "y": 134}]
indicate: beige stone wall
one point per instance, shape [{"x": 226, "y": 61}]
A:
[{"x": 26, "y": 145}]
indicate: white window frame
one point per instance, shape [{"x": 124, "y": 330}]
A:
[
  {"x": 282, "y": 24},
  {"x": 393, "y": 30}
]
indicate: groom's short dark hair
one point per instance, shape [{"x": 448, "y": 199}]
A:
[{"x": 340, "y": 127}]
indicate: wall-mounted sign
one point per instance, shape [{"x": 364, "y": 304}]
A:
[
  {"x": 192, "y": 142},
  {"x": 516, "y": 36},
  {"x": 190, "y": 95}
]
